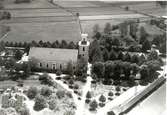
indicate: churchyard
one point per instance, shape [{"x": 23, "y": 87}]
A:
[{"x": 124, "y": 55}]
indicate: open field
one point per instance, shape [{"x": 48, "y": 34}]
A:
[
  {"x": 9, "y": 4},
  {"x": 148, "y": 8},
  {"x": 26, "y": 32},
  {"x": 38, "y": 12}
]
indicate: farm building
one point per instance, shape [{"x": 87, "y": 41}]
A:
[{"x": 56, "y": 58}]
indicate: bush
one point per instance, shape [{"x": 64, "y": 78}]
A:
[
  {"x": 46, "y": 79},
  {"x": 88, "y": 95},
  {"x": 76, "y": 92},
  {"x": 87, "y": 101},
  {"x": 69, "y": 94},
  {"x": 67, "y": 77},
  {"x": 32, "y": 92},
  {"x": 101, "y": 104},
  {"x": 58, "y": 78},
  {"x": 117, "y": 94},
  {"x": 70, "y": 86},
  {"x": 93, "y": 82},
  {"x": 117, "y": 89},
  {"x": 110, "y": 98},
  {"x": 76, "y": 86},
  {"x": 71, "y": 81},
  {"x": 46, "y": 91},
  {"x": 58, "y": 72},
  {"x": 110, "y": 93},
  {"x": 93, "y": 105},
  {"x": 40, "y": 103},
  {"x": 124, "y": 89},
  {"x": 102, "y": 98},
  {"x": 60, "y": 94},
  {"x": 52, "y": 104},
  {"x": 110, "y": 113}
]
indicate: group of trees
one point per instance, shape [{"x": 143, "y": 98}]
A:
[
  {"x": 123, "y": 70},
  {"x": 114, "y": 70},
  {"x": 103, "y": 54}
]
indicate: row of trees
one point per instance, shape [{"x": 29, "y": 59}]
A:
[{"x": 56, "y": 44}]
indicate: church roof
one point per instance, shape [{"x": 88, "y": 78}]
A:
[{"x": 54, "y": 54}]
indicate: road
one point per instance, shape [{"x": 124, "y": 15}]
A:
[{"x": 152, "y": 105}]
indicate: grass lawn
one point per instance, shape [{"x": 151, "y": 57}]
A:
[{"x": 26, "y": 32}]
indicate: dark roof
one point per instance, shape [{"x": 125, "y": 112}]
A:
[{"x": 54, "y": 54}]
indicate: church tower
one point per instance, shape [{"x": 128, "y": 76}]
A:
[{"x": 83, "y": 50}]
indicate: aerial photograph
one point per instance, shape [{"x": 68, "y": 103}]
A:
[{"x": 83, "y": 57}]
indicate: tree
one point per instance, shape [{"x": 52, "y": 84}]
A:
[
  {"x": 153, "y": 55},
  {"x": 24, "y": 111},
  {"x": 97, "y": 35},
  {"x": 40, "y": 43},
  {"x": 133, "y": 29},
  {"x": 112, "y": 55},
  {"x": 162, "y": 48},
  {"x": 2, "y": 46},
  {"x": 69, "y": 112},
  {"x": 63, "y": 44},
  {"x": 134, "y": 68},
  {"x": 96, "y": 28},
  {"x": 107, "y": 28},
  {"x": 127, "y": 57},
  {"x": 109, "y": 67},
  {"x": 102, "y": 99},
  {"x": 46, "y": 91},
  {"x": 40, "y": 103},
  {"x": 53, "y": 105},
  {"x": 10, "y": 63},
  {"x": 70, "y": 69},
  {"x": 32, "y": 92},
  {"x": 93, "y": 105},
  {"x": 143, "y": 35},
  {"x": 71, "y": 45},
  {"x": 98, "y": 69},
  {"x": 88, "y": 95},
  {"x": 135, "y": 59},
  {"x": 110, "y": 113},
  {"x": 18, "y": 55},
  {"x": 144, "y": 72},
  {"x": 60, "y": 94},
  {"x": 34, "y": 44},
  {"x": 46, "y": 79},
  {"x": 142, "y": 59},
  {"x": 105, "y": 54},
  {"x": 123, "y": 28},
  {"x": 120, "y": 56},
  {"x": 146, "y": 46},
  {"x": 116, "y": 42},
  {"x": 95, "y": 53}
]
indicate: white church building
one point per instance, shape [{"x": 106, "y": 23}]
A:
[{"x": 57, "y": 58}]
